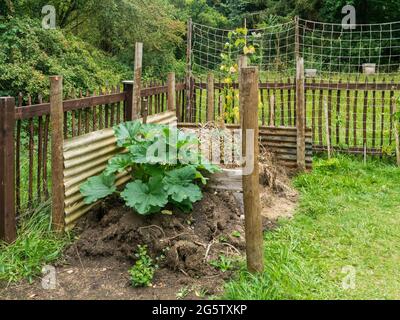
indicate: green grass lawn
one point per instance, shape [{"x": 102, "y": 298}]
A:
[{"x": 348, "y": 219}]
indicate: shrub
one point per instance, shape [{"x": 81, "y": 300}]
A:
[{"x": 29, "y": 55}]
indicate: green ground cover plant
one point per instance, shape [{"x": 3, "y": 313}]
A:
[{"x": 142, "y": 272}]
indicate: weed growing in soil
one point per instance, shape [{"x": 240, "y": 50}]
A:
[
  {"x": 182, "y": 293},
  {"x": 165, "y": 165},
  {"x": 223, "y": 263},
  {"x": 142, "y": 272},
  {"x": 36, "y": 245}
]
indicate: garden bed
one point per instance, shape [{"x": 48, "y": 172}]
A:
[{"x": 195, "y": 253}]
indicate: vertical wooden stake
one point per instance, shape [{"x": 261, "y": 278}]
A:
[
  {"x": 365, "y": 154},
  {"x": 396, "y": 131},
  {"x": 328, "y": 136},
  {"x": 144, "y": 110},
  {"x": 242, "y": 63},
  {"x": 137, "y": 81},
  {"x": 248, "y": 87},
  {"x": 221, "y": 112},
  {"x": 210, "y": 97},
  {"x": 272, "y": 113},
  {"x": 128, "y": 109},
  {"x": 189, "y": 86},
  {"x": 8, "y": 231},
  {"x": 300, "y": 114},
  {"x": 297, "y": 38},
  {"x": 57, "y": 159},
  {"x": 171, "y": 92}
]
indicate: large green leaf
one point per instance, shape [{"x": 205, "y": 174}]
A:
[
  {"x": 145, "y": 198},
  {"x": 206, "y": 166},
  {"x": 98, "y": 187},
  {"x": 119, "y": 163},
  {"x": 139, "y": 153},
  {"x": 185, "y": 205},
  {"x": 127, "y": 133},
  {"x": 179, "y": 184}
]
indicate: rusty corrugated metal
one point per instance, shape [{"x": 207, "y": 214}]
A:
[
  {"x": 86, "y": 156},
  {"x": 281, "y": 141}
]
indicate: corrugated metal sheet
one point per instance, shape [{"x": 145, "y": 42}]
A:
[
  {"x": 86, "y": 156},
  {"x": 281, "y": 141}
]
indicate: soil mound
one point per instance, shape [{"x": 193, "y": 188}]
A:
[{"x": 186, "y": 242}]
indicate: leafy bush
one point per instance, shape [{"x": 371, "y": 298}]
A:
[
  {"x": 142, "y": 272},
  {"x": 30, "y": 54},
  {"x": 165, "y": 166}
]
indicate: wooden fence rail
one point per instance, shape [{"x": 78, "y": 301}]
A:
[
  {"x": 359, "y": 118},
  {"x": 29, "y": 126},
  {"x": 360, "y": 112}
]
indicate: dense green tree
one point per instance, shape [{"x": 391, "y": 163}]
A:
[
  {"x": 113, "y": 26},
  {"x": 29, "y": 54}
]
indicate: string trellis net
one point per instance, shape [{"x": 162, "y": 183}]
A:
[
  {"x": 351, "y": 72},
  {"x": 355, "y": 87},
  {"x": 274, "y": 47}
]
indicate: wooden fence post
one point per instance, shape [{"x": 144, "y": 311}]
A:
[
  {"x": 296, "y": 38},
  {"x": 128, "y": 89},
  {"x": 57, "y": 159},
  {"x": 144, "y": 110},
  {"x": 396, "y": 131},
  {"x": 249, "y": 92},
  {"x": 210, "y": 97},
  {"x": 8, "y": 231},
  {"x": 242, "y": 63},
  {"x": 300, "y": 121},
  {"x": 272, "y": 113},
  {"x": 171, "y": 92},
  {"x": 188, "y": 81},
  {"x": 328, "y": 136},
  {"x": 137, "y": 81}
]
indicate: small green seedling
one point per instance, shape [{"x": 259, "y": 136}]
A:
[
  {"x": 223, "y": 263},
  {"x": 236, "y": 234},
  {"x": 200, "y": 292},
  {"x": 142, "y": 272},
  {"x": 182, "y": 293}
]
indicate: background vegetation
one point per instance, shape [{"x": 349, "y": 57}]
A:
[{"x": 94, "y": 40}]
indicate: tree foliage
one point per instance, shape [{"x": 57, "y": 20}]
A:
[{"x": 29, "y": 54}]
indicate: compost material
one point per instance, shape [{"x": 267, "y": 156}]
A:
[
  {"x": 185, "y": 241},
  {"x": 184, "y": 246}
]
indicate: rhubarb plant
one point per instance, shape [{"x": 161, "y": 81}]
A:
[{"x": 165, "y": 165}]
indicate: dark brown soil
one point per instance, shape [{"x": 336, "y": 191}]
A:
[{"x": 96, "y": 265}]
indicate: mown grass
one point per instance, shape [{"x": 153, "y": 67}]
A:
[
  {"x": 35, "y": 246},
  {"x": 349, "y": 216}
]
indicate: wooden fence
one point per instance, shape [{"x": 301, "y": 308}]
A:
[
  {"x": 360, "y": 112},
  {"x": 86, "y": 156},
  {"x": 25, "y": 136}
]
